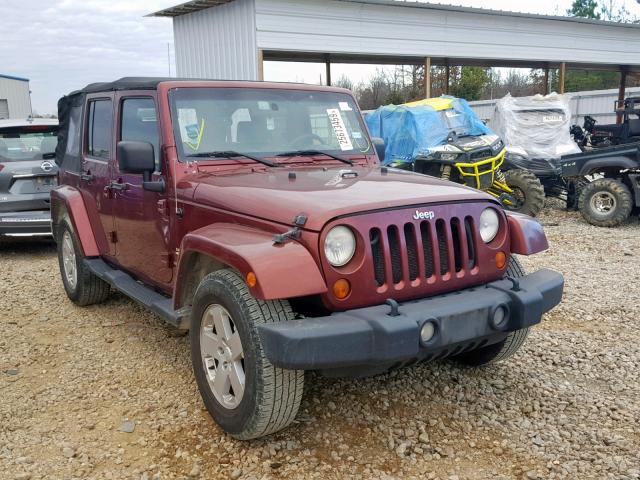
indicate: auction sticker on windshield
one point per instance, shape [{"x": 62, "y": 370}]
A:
[{"x": 337, "y": 123}]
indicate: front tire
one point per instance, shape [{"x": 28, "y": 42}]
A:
[
  {"x": 527, "y": 190},
  {"x": 605, "y": 202},
  {"x": 81, "y": 285},
  {"x": 244, "y": 393},
  {"x": 505, "y": 348}
]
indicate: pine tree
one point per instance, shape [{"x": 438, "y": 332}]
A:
[{"x": 584, "y": 8}]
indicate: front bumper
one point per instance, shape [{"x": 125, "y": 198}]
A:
[
  {"x": 25, "y": 224},
  {"x": 372, "y": 336}
]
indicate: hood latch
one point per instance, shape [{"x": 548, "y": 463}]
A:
[{"x": 293, "y": 234}]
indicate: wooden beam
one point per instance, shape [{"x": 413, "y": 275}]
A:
[
  {"x": 427, "y": 77},
  {"x": 447, "y": 77},
  {"x": 563, "y": 74},
  {"x": 327, "y": 65},
  {"x": 260, "y": 62},
  {"x": 621, "y": 94},
  {"x": 546, "y": 81}
]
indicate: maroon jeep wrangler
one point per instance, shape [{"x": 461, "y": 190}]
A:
[{"x": 258, "y": 216}]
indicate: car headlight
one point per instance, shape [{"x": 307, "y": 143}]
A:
[
  {"x": 497, "y": 147},
  {"x": 489, "y": 224},
  {"x": 339, "y": 246},
  {"x": 448, "y": 157}
]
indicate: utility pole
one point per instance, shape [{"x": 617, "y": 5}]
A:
[{"x": 169, "y": 58}]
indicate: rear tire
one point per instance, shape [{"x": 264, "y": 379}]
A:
[
  {"x": 243, "y": 392},
  {"x": 81, "y": 285},
  {"x": 574, "y": 190},
  {"x": 505, "y": 348},
  {"x": 527, "y": 189},
  {"x": 605, "y": 202}
]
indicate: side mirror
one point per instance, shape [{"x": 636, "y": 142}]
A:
[
  {"x": 380, "y": 147},
  {"x": 138, "y": 157}
]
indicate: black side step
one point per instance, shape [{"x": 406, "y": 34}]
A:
[{"x": 154, "y": 301}]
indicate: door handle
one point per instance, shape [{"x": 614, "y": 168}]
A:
[
  {"x": 87, "y": 177},
  {"x": 118, "y": 186}
]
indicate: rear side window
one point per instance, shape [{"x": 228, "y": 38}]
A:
[
  {"x": 139, "y": 123},
  {"x": 100, "y": 126}
]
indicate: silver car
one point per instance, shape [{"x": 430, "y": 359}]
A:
[{"x": 27, "y": 174}]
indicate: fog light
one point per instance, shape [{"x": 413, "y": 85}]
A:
[
  {"x": 427, "y": 332},
  {"x": 500, "y": 316},
  {"x": 342, "y": 289}
]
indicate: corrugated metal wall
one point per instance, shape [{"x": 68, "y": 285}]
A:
[
  {"x": 348, "y": 27},
  {"x": 16, "y": 92},
  {"x": 218, "y": 42},
  {"x": 597, "y": 103}
]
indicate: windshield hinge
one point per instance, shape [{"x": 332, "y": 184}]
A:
[{"x": 294, "y": 233}]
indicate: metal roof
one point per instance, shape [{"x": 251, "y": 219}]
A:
[
  {"x": 197, "y": 5},
  {"x": 11, "y": 77},
  {"x": 188, "y": 7}
]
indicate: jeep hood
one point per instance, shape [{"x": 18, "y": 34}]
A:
[{"x": 322, "y": 194}]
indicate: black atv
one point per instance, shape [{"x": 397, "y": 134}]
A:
[
  {"x": 610, "y": 199},
  {"x": 593, "y": 135}
]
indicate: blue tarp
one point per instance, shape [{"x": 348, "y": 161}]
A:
[{"x": 410, "y": 131}]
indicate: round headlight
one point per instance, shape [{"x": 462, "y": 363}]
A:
[
  {"x": 339, "y": 246},
  {"x": 489, "y": 224}
]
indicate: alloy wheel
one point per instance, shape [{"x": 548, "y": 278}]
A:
[
  {"x": 222, "y": 356},
  {"x": 69, "y": 260}
]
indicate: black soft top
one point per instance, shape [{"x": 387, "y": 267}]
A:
[{"x": 131, "y": 83}]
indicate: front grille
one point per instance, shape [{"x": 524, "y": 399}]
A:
[
  {"x": 423, "y": 250},
  {"x": 481, "y": 154}
]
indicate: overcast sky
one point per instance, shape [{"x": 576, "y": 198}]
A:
[{"x": 62, "y": 45}]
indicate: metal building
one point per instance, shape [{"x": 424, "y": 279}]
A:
[
  {"x": 15, "y": 98},
  {"x": 230, "y": 39}
]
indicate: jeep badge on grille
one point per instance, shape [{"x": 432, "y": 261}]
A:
[{"x": 428, "y": 215}]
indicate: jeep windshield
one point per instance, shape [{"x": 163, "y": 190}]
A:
[
  {"x": 27, "y": 143},
  {"x": 264, "y": 122}
]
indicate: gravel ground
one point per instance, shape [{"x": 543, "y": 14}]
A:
[{"x": 107, "y": 391}]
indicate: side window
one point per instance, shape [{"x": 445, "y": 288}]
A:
[
  {"x": 100, "y": 126},
  {"x": 139, "y": 123}
]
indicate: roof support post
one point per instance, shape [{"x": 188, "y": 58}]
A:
[
  {"x": 427, "y": 77},
  {"x": 260, "y": 64},
  {"x": 621, "y": 94},
  {"x": 563, "y": 74},
  {"x": 327, "y": 65},
  {"x": 546, "y": 80},
  {"x": 447, "y": 76}
]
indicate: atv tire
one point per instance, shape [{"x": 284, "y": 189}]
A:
[
  {"x": 528, "y": 191},
  {"x": 605, "y": 202},
  {"x": 504, "y": 348},
  {"x": 574, "y": 188}
]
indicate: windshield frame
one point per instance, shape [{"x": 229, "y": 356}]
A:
[{"x": 172, "y": 87}]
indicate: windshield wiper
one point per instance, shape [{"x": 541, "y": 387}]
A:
[
  {"x": 232, "y": 154},
  {"x": 306, "y": 153}
]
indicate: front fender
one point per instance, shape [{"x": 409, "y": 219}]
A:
[
  {"x": 282, "y": 270},
  {"x": 66, "y": 198},
  {"x": 527, "y": 235}
]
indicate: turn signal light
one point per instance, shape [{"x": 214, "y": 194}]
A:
[
  {"x": 501, "y": 260},
  {"x": 341, "y": 289},
  {"x": 252, "y": 281}
]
